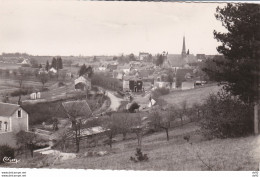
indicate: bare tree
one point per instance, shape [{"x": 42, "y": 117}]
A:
[
  {"x": 182, "y": 111},
  {"x": 21, "y": 78},
  {"x": 162, "y": 120}
]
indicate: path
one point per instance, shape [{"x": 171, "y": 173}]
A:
[{"x": 115, "y": 101}]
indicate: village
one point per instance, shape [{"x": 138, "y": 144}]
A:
[{"x": 188, "y": 110}]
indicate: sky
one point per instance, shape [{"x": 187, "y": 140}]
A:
[{"x": 106, "y": 28}]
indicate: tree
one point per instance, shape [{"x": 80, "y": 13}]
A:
[
  {"x": 89, "y": 71},
  {"x": 43, "y": 78},
  {"x": 240, "y": 47},
  {"x": 111, "y": 124},
  {"x": 21, "y": 78},
  {"x": 59, "y": 63},
  {"x": 159, "y": 60},
  {"x": 82, "y": 70},
  {"x": 27, "y": 141},
  {"x": 161, "y": 120},
  {"x": 54, "y": 63},
  {"x": 47, "y": 66}
]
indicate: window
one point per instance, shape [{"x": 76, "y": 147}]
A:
[
  {"x": 0, "y": 125},
  {"x": 6, "y": 126},
  {"x": 19, "y": 113}
]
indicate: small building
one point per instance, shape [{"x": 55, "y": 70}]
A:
[
  {"x": 133, "y": 84},
  {"x": 53, "y": 70},
  {"x": 82, "y": 83},
  {"x": 35, "y": 95},
  {"x": 26, "y": 62}
]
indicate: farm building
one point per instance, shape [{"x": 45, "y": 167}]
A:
[{"x": 82, "y": 83}]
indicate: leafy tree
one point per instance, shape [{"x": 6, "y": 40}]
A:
[
  {"x": 54, "y": 63},
  {"x": 43, "y": 77},
  {"x": 240, "y": 46},
  {"x": 159, "y": 60},
  {"x": 47, "y": 66},
  {"x": 59, "y": 63},
  {"x": 82, "y": 70}
]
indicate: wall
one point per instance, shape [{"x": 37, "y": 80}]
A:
[
  {"x": 8, "y": 138},
  {"x": 5, "y": 119},
  {"x": 19, "y": 124}
]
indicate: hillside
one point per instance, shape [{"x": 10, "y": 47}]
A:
[
  {"x": 176, "y": 154},
  {"x": 197, "y": 95}
]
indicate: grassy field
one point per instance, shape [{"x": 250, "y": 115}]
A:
[
  {"x": 197, "y": 95},
  {"x": 176, "y": 154}
]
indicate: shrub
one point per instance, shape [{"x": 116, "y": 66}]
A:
[
  {"x": 6, "y": 151},
  {"x": 225, "y": 116},
  {"x": 133, "y": 107},
  {"x": 140, "y": 157}
]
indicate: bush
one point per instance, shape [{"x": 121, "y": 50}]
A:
[
  {"x": 226, "y": 117},
  {"x": 140, "y": 157},
  {"x": 6, "y": 151},
  {"x": 133, "y": 107}
]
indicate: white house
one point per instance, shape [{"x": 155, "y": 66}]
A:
[
  {"x": 13, "y": 119},
  {"x": 53, "y": 70}
]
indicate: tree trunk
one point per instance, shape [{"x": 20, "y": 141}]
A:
[
  {"x": 167, "y": 133},
  {"x": 256, "y": 130},
  {"x": 110, "y": 141},
  {"x": 77, "y": 146}
]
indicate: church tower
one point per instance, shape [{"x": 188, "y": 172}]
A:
[{"x": 183, "y": 53}]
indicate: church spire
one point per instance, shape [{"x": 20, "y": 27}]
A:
[{"x": 183, "y": 53}]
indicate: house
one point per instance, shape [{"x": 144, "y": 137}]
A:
[
  {"x": 201, "y": 57},
  {"x": 143, "y": 55},
  {"x": 125, "y": 68},
  {"x": 53, "y": 70},
  {"x": 13, "y": 119},
  {"x": 161, "y": 81},
  {"x": 26, "y": 62},
  {"x": 183, "y": 75},
  {"x": 132, "y": 83},
  {"x": 82, "y": 83}
]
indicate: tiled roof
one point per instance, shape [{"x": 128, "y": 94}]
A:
[
  {"x": 79, "y": 108},
  {"x": 7, "y": 109}
]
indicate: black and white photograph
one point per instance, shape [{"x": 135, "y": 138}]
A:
[{"x": 133, "y": 86}]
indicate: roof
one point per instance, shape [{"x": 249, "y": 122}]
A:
[
  {"x": 176, "y": 60},
  {"x": 201, "y": 56},
  {"x": 79, "y": 108},
  {"x": 144, "y": 73},
  {"x": 182, "y": 72},
  {"x": 7, "y": 109}
]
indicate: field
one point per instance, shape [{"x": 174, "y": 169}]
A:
[
  {"x": 197, "y": 95},
  {"x": 176, "y": 154}
]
